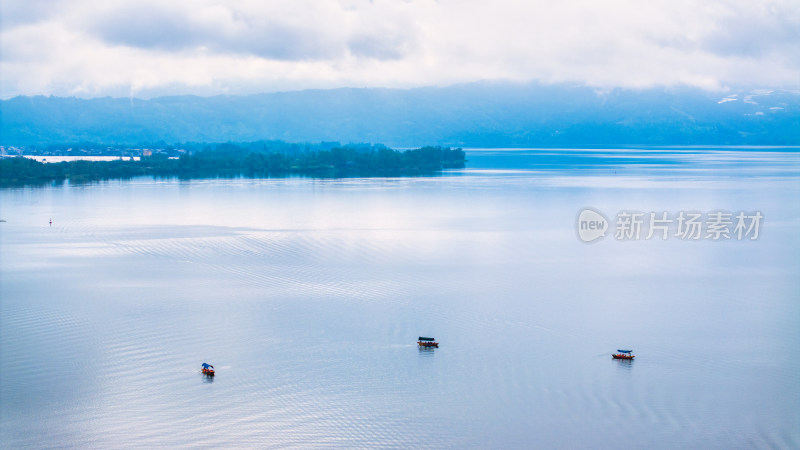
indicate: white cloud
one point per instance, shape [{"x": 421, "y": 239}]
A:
[{"x": 148, "y": 47}]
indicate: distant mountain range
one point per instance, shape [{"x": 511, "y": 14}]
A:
[{"x": 470, "y": 115}]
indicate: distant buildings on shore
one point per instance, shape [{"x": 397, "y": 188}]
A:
[{"x": 76, "y": 153}]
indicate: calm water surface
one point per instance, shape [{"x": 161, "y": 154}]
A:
[{"x": 308, "y": 295}]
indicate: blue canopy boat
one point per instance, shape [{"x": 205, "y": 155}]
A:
[
  {"x": 208, "y": 369},
  {"x": 623, "y": 354},
  {"x": 427, "y": 342}
]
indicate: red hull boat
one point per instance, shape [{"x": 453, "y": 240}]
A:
[
  {"x": 427, "y": 342},
  {"x": 623, "y": 354},
  {"x": 208, "y": 369}
]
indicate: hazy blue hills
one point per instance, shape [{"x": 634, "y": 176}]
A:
[{"x": 471, "y": 115}]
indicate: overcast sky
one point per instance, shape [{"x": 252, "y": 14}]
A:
[{"x": 147, "y": 48}]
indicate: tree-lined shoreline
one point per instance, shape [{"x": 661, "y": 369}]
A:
[{"x": 230, "y": 160}]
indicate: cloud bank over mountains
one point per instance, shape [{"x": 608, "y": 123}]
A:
[{"x": 148, "y": 48}]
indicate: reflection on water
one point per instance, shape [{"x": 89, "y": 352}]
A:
[
  {"x": 308, "y": 295},
  {"x": 624, "y": 363}
]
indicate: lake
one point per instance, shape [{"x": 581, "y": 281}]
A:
[{"x": 308, "y": 296}]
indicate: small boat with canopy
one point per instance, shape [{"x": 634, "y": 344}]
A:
[
  {"x": 208, "y": 369},
  {"x": 623, "y": 354},
  {"x": 427, "y": 342}
]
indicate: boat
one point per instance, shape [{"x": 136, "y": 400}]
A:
[
  {"x": 623, "y": 354},
  {"x": 208, "y": 369},
  {"x": 427, "y": 342}
]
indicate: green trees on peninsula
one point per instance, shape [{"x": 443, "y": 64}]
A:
[{"x": 232, "y": 160}]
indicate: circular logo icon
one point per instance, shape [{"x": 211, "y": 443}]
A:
[{"x": 592, "y": 225}]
